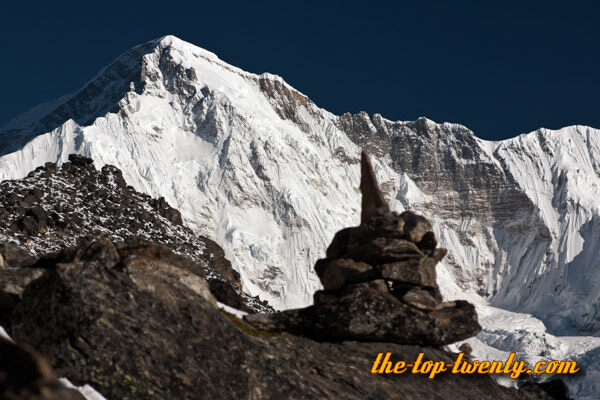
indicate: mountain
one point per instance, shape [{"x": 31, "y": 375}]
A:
[
  {"x": 255, "y": 165},
  {"x": 57, "y": 208}
]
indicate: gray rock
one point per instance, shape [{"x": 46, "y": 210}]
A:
[
  {"x": 415, "y": 227},
  {"x": 422, "y": 300},
  {"x": 416, "y": 270},
  {"x": 13, "y": 256},
  {"x": 389, "y": 225},
  {"x": 14, "y": 280},
  {"x": 385, "y": 250},
  {"x": 341, "y": 272},
  {"x": 372, "y": 197},
  {"x": 408, "y": 226},
  {"x": 102, "y": 250}
]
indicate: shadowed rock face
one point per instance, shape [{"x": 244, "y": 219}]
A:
[
  {"x": 379, "y": 281},
  {"x": 136, "y": 323},
  {"x": 463, "y": 182},
  {"x": 442, "y": 161}
]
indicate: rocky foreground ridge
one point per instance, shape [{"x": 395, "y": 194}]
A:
[
  {"x": 137, "y": 321},
  {"x": 135, "y": 325},
  {"x": 55, "y": 208}
]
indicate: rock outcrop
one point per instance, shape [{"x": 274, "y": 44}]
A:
[
  {"x": 136, "y": 322},
  {"x": 54, "y": 208},
  {"x": 379, "y": 283}
]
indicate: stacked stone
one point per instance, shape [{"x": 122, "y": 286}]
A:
[
  {"x": 379, "y": 283},
  {"x": 395, "y": 251}
]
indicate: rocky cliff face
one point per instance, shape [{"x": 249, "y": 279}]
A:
[{"x": 255, "y": 165}]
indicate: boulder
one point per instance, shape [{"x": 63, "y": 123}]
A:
[
  {"x": 341, "y": 272},
  {"x": 418, "y": 271},
  {"x": 373, "y": 201},
  {"x": 26, "y": 375},
  {"x": 12, "y": 256}
]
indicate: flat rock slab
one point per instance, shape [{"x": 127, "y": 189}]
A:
[
  {"x": 417, "y": 270},
  {"x": 406, "y": 226},
  {"x": 367, "y": 312},
  {"x": 338, "y": 273},
  {"x": 383, "y": 250}
]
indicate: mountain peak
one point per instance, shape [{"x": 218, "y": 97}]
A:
[
  {"x": 169, "y": 39},
  {"x": 169, "y": 62},
  {"x": 173, "y": 42}
]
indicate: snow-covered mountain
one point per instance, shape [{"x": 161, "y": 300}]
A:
[{"x": 257, "y": 166}]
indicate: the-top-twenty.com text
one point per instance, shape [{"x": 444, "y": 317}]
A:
[{"x": 514, "y": 368}]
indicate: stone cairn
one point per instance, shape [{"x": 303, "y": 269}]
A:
[{"x": 379, "y": 283}]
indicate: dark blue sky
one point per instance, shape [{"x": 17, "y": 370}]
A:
[{"x": 500, "y": 68}]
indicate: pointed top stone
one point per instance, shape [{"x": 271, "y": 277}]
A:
[{"x": 372, "y": 197}]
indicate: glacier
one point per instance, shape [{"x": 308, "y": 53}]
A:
[{"x": 257, "y": 166}]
